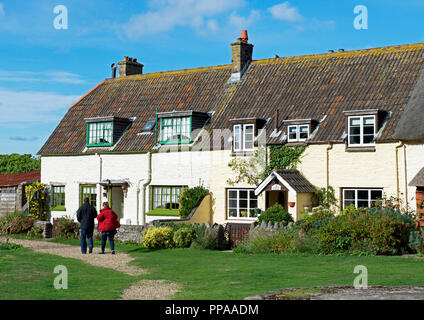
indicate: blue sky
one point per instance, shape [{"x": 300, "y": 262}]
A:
[{"x": 44, "y": 70}]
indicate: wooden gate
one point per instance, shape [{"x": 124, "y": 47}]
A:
[{"x": 237, "y": 232}]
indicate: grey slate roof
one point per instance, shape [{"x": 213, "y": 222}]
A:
[
  {"x": 296, "y": 180},
  {"x": 418, "y": 180},
  {"x": 410, "y": 125}
]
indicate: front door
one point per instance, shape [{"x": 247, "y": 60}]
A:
[
  {"x": 116, "y": 199},
  {"x": 273, "y": 197}
]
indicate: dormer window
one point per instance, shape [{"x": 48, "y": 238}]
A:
[
  {"x": 100, "y": 134},
  {"x": 175, "y": 130},
  {"x": 298, "y": 133},
  {"x": 105, "y": 131},
  {"x": 177, "y": 127},
  {"x": 362, "y": 130},
  {"x": 244, "y": 137},
  {"x": 245, "y": 133}
]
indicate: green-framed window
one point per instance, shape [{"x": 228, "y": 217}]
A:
[
  {"x": 58, "y": 198},
  {"x": 90, "y": 192},
  {"x": 165, "y": 197},
  {"x": 175, "y": 130},
  {"x": 100, "y": 134}
]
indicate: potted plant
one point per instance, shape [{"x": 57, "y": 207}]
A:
[
  {"x": 243, "y": 213},
  {"x": 257, "y": 211},
  {"x": 292, "y": 204}
]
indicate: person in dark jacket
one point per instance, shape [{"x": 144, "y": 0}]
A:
[
  {"x": 108, "y": 223},
  {"x": 86, "y": 215}
]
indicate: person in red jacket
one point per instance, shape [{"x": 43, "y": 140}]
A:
[{"x": 108, "y": 223}]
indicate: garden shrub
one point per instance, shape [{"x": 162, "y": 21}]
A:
[
  {"x": 376, "y": 230},
  {"x": 320, "y": 216},
  {"x": 35, "y": 232},
  {"x": 207, "y": 240},
  {"x": 16, "y": 222},
  {"x": 190, "y": 198},
  {"x": 262, "y": 241},
  {"x": 158, "y": 238},
  {"x": 305, "y": 243},
  {"x": 183, "y": 237},
  {"x": 68, "y": 228},
  {"x": 274, "y": 214},
  {"x": 416, "y": 241}
]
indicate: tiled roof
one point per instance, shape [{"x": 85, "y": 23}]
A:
[
  {"x": 418, "y": 180},
  {"x": 11, "y": 180},
  {"x": 304, "y": 87},
  {"x": 296, "y": 180}
]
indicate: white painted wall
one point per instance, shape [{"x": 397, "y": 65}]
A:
[
  {"x": 415, "y": 162},
  {"x": 210, "y": 168},
  {"x": 182, "y": 168}
]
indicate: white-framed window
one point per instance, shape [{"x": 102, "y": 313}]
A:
[
  {"x": 241, "y": 203},
  {"x": 361, "y": 198},
  {"x": 244, "y": 137},
  {"x": 362, "y": 130},
  {"x": 298, "y": 132}
]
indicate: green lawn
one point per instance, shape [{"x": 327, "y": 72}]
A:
[
  {"x": 206, "y": 274},
  {"x": 223, "y": 275},
  {"x": 27, "y": 275}
]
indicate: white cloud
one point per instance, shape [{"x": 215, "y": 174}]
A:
[
  {"x": 240, "y": 22},
  {"x": 35, "y": 107},
  {"x": 48, "y": 76},
  {"x": 285, "y": 12},
  {"x": 168, "y": 14},
  {"x": 2, "y": 12}
]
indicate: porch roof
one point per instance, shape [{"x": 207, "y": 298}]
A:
[
  {"x": 418, "y": 180},
  {"x": 293, "y": 180}
]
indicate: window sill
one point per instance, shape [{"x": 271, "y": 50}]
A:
[
  {"x": 242, "y": 219},
  {"x": 360, "y": 149},
  {"x": 164, "y": 212},
  {"x": 242, "y": 153},
  {"x": 58, "y": 209}
]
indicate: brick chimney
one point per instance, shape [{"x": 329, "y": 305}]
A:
[
  {"x": 241, "y": 55},
  {"x": 129, "y": 66}
]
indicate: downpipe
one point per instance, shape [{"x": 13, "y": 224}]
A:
[{"x": 144, "y": 186}]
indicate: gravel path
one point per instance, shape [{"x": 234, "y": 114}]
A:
[{"x": 143, "y": 290}]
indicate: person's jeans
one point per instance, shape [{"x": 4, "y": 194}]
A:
[
  {"x": 108, "y": 234},
  {"x": 86, "y": 234}
]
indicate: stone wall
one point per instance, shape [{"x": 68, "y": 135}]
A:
[{"x": 126, "y": 233}]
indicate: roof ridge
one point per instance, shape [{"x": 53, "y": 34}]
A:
[
  {"x": 171, "y": 72},
  {"x": 346, "y": 54}
]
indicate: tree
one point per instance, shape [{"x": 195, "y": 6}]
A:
[{"x": 17, "y": 163}]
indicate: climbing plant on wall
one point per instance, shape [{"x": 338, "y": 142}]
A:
[
  {"x": 256, "y": 168},
  {"x": 37, "y": 196},
  {"x": 283, "y": 157},
  {"x": 248, "y": 169}
]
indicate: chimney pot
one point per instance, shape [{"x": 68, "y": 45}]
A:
[{"x": 244, "y": 38}]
